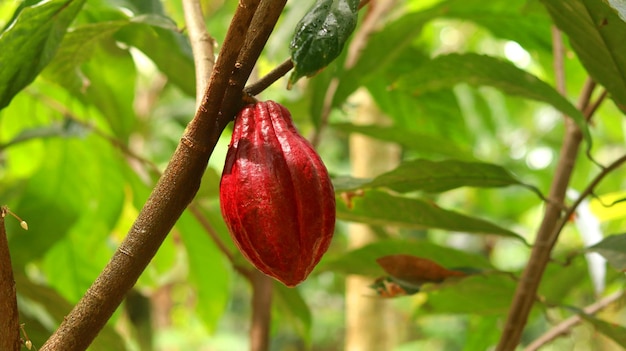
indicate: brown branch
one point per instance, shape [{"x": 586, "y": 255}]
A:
[
  {"x": 262, "y": 289},
  {"x": 9, "y": 318},
  {"x": 564, "y": 327},
  {"x": 548, "y": 231},
  {"x": 263, "y": 24},
  {"x": 201, "y": 45},
  {"x": 591, "y": 108},
  {"x": 269, "y": 79},
  {"x": 174, "y": 191}
]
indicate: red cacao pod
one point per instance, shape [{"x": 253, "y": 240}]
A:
[{"x": 275, "y": 194}]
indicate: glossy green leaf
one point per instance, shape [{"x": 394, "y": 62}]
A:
[
  {"x": 320, "y": 36},
  {"x": 362, "y": 261},
  {"x": 597, "y": 35},
  {"x": 208, "y": 270},
  {"x": 30, "y": 42},
  {"x": 379, "y": 208},
  {"x": 440, "y": 176},
  {"x": 424, "y": 143},
  {"x": 613, "y": 248}
]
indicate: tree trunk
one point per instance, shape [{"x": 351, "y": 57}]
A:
[{"x": 370, "y": 322}]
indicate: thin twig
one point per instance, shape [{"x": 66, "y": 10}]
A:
[
  {"x": 591, "y": 108},
  {"x": 195, "y": 210},
  {"x": 202, "y": 45},
  {"x": 263, "y": 83},
  {"x": 564, "y": 327},
  {"x": 558, "y": 53}
]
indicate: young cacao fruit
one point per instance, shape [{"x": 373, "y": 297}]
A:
[{"x": 275, "y": 194}]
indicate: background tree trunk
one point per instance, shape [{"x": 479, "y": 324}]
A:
[{"x": 370, "y": 322}]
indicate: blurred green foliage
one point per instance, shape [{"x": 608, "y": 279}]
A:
[{"x": 95, "y": 97}]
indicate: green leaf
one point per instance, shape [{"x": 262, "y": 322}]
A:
[
  {"x": 55, "y": 198},
  {"x": 516, "y": 20},
  {"x": 379, "y": 208},
  {"x": 382, "y": 49},
  {"x": 156, "y": 36},
  {"x": 597, "y": 35},
  {"x": 320, "y": 36},
  {"x": 425, "y": 143},
  {"x": 67, "y": 128},
  {"x": 559, "y": 281},
  {"x": 347, "y": 183},
  {"x": 91, "y": 66},
  {"x": 440, "y": 176},
  {"x": 159, "y": 39},
  {"x": 511, "y": 20},
  {"x": 209, "y": 271},
  {"x": 434, "y": 115},
  {"x": 446, "y": 71},
  {"x": 483, "y": 294},
  {"x": 613, "y": 248},
  {"x": 77, "y": 47},
  {"x": 111, "y": 74},
  {"x": 362, "y": 261},
  {"x": 482, "y": 332},
  {"x": 53, "y": 311},
  {"x": 296, "y": 310},
  {"x": 614, "y": 331},
  {"x": 30, "y": 42},
  {"x": 73, "y": 263}
]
